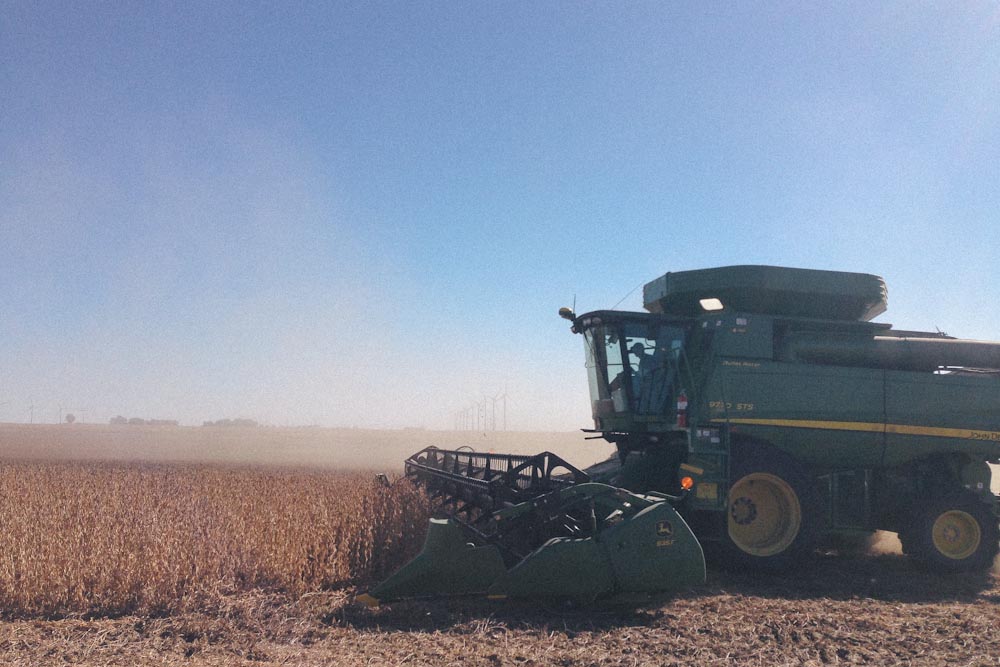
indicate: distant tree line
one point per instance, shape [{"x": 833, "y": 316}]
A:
[
  {"x": 136, "y": 421},
  {"x": 232, "y": 422}
]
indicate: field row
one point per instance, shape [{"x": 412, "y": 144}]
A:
[{"x": 110, "y": 539}]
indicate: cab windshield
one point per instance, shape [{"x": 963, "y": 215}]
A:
[{"x": 633, "y": 366}]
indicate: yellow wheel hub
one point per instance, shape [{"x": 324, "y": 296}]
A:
[
  {"x": 956, "y": 534},
  {"x": 764, "y": 514}
]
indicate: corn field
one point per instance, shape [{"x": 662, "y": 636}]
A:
[{"x": 111, "y": 539}]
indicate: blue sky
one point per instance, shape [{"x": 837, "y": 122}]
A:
[{"x": 368, "y": 214}]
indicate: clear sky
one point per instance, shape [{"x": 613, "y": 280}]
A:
[{"x": 368, "y": 214}]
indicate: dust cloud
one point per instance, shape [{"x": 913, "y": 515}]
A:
[
  {"x": 341, "y": 449},
  {"x": 884, "y": 543},
  {"x": 238, "y": 283}
]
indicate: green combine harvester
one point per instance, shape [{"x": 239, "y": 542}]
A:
[{"x": 755, "y": 407}]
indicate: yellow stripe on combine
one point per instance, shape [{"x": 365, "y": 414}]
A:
[{"x": 871, "y": 427}]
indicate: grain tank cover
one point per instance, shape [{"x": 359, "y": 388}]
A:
[{"x": 772, "y": 290}]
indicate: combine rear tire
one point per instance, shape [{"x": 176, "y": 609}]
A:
[
  {"x": 772, "y": 511},
  {"x": 953, "y": 534}
]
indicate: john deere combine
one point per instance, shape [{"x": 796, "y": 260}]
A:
[{"x": 760, "y": 404}]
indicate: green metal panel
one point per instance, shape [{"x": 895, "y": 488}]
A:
[
  {"x": 769, "y": 289},
  {"x": 448, "y": 565},
  {"x": 924, "y": 353},
  {"x": 648, "y": 470},
  {"x": 654, "y": 551},
  {"x": 562, "y": 567},
  {"x": 827, "y": 416},
  {"x": 708, "y": 465},
  {"x": 931, "y": 413},
  {"x": 743, "y": 335}
]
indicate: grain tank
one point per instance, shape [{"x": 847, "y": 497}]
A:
[{"x": 768, "y": 399}]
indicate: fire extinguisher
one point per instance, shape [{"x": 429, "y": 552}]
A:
[{"x": 682, "y": 409}]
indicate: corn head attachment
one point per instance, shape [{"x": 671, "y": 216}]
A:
[{"x": 535, "y": 526}]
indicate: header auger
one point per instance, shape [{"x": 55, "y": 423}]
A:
[{"x": 763, "y": 406}]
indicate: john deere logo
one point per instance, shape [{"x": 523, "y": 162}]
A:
[{"x": 664, "y": 529}]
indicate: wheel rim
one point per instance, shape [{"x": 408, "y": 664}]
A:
[
  {"x": 956, "y": 534},
  {"x": 764, "y": 514}
]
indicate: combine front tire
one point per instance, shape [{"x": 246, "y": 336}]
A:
[
  {"x": 953, "y": 534},
  {"x": 772, "y": 512}
]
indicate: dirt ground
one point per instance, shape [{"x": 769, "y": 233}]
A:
[{"x": 874, "y": 610}]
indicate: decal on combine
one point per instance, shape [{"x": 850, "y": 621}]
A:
[
  {"x": 664, "y": 531},
  {"x": 721, "y": 405}
]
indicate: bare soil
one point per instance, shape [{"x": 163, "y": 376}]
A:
[{"x": 876, "y": 610}]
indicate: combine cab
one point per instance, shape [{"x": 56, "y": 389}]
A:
[{"x": 760, "y": 404}]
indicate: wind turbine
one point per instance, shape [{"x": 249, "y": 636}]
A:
[
  {"x": 499, "y": 396},
  {"x": 503, "y": 398},
  {"x": 479, "y": 413}
]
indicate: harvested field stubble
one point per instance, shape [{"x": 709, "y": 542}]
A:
[
  {"x": 109, "y": 539},
  {"x": 840, "y": 610},
  {"x": 152, "y": 564}
]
